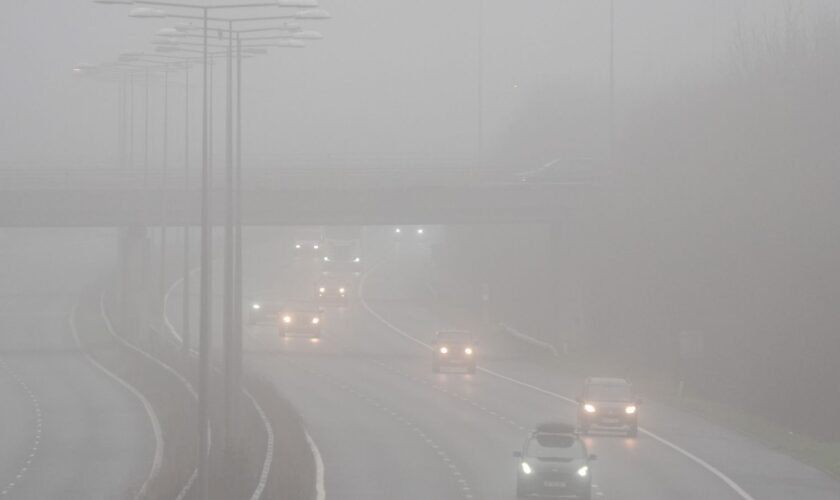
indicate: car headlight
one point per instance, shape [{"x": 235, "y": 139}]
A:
[
  {"x": 420, "y": 231},
  {"x": 398, "y": 230},
  {"x": 315, "y": 321},
  {"x": 315, "y": 247},
  {"x": 589, "y": 408},
  {"x": 630, "y": 410},
  {"x": 583, "y": 471},
  {"x": 322, "y": 289},
  {"x": 526, "y": 469},
  {"x": 297, "y": 246},
  {"x": 326, "y": 259},
  {"x": 341, "y": 290},
  {"x": 357, "y": 259},
  {"x": 444, "y": 350},
  {"x": 287, "y": 319},
  {"x": 255, "y": 307},
  {"x": 468, "y": 351}
]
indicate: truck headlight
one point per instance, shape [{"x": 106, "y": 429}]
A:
[
  {"x": 287, "y": 319},
  {"x": 583, "y": 471},
  {"x": 315, "y": 321},
  {"x": 255, "y": 307},
  {"x": 341, "y": 290},
  {"x": 630, "y": 410},
  {"x": 589, "y": 408},
  {"x": 322, "y": 290},
  {"x": 444, "y": 350},
  {"x": 468, "y": 351},
  {"x": 526, "y": 469},
  {"x": 357, "y": 259}
]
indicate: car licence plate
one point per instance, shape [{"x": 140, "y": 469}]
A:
[
  {"x": 554, "y": 484},
  {"x": 610, "y": 420}
]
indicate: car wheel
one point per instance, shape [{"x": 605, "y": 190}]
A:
[
  {"x": 471, "y": 369},
  {"x": 586, "y": 495},
  {"x": 633, "y": 431},
  {"x": 282, "y": 334},
  {"x": 584, "y": 429},
  {"x": 436, "y": 368}
]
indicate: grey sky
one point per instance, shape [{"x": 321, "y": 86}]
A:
[{"x": 390, "y": 77}]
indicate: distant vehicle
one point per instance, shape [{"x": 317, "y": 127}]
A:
[
  {"x": 554, "y": 462},
  {"x": 409, "y": 231},
  {"x": 300, "y": 319},
  {"x": 332, "y": 291},
  {"x": 342, "y": 256},
  {"x": 262, "y": 312},
  {"x": 609, "y": 404},
  {"x": 309, "y": 241},
  {"x": 454, "y": 349}
]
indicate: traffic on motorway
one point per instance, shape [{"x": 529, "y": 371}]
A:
[
  {"x": 554, "y": 460},
  {"x": 420, "y": 250}
]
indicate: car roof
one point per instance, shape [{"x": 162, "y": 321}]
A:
[
  {"x": 463, "y": 333},
  {"x": 606, "y": 381},
  {"x": 554, "y": 428}
]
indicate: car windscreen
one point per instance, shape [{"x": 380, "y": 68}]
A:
[
  {"x": 555, "y": 446},
  {"x": 454, "y": 338},
  {"x": 609, "y": 392}
]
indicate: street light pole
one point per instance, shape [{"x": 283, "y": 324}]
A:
[
  {"x": 228, "y": 292},
  {"x": 164, "y": 167},
  {"x": 185, "y": 281},
  {"x": 612, "y": 80},
  {"x": 146, "y": 133},
  {"x": 237, "y": 272},
  {"x": 480, "y": 70},
  {"x": 205, "y": 304}
]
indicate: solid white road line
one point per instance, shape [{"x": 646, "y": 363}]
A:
[
  {"x": 694, "y": 458},
  {"x": 150, "y": 411},
  {"x": 531, "y": 340},
  {"x": 320, "y": 491},
  {"x": 269, "y": 449},
  {"x": 186, "y": 383}
]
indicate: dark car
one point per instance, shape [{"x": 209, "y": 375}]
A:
[
  {"x": 454, "y": 349},
  {"x": 300, "y": 319},
  {"x": 332, "y": 292},
  {"x": 608, "y": 404},
  {"x": 554, "y": 462}
]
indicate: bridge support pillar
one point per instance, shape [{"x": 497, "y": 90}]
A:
[{"x": 135, "y": 272}]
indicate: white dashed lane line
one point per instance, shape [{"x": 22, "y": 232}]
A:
[
  {"x": 20, "y": 474},
  {"x": 451, "y": 393},
  {"x": 460, "y": 483}
]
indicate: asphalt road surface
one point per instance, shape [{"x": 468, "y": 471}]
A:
[
  {"x": 66, "y": 430},
  {"x": 388, "y": 427}
]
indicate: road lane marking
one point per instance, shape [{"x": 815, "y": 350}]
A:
[
  {"x": 374, "y": 403},
  {"x": 269, "y": 430},
  {"x": 150, "y": 411},
  {"x": 697, "y": 460},
  {"x": 186, "y": 383},
  {"x": 320, "y": 490},
  {"x": 38, "y": 421}
]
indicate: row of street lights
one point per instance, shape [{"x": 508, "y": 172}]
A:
[{"x": 171, "y": 47}]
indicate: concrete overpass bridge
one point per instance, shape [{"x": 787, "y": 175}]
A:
[{"x": 111, "y": 197}]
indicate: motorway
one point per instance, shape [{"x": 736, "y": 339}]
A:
[
  {"x": 387, "y": 427},
  {"x": 67, "y": 430}
]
